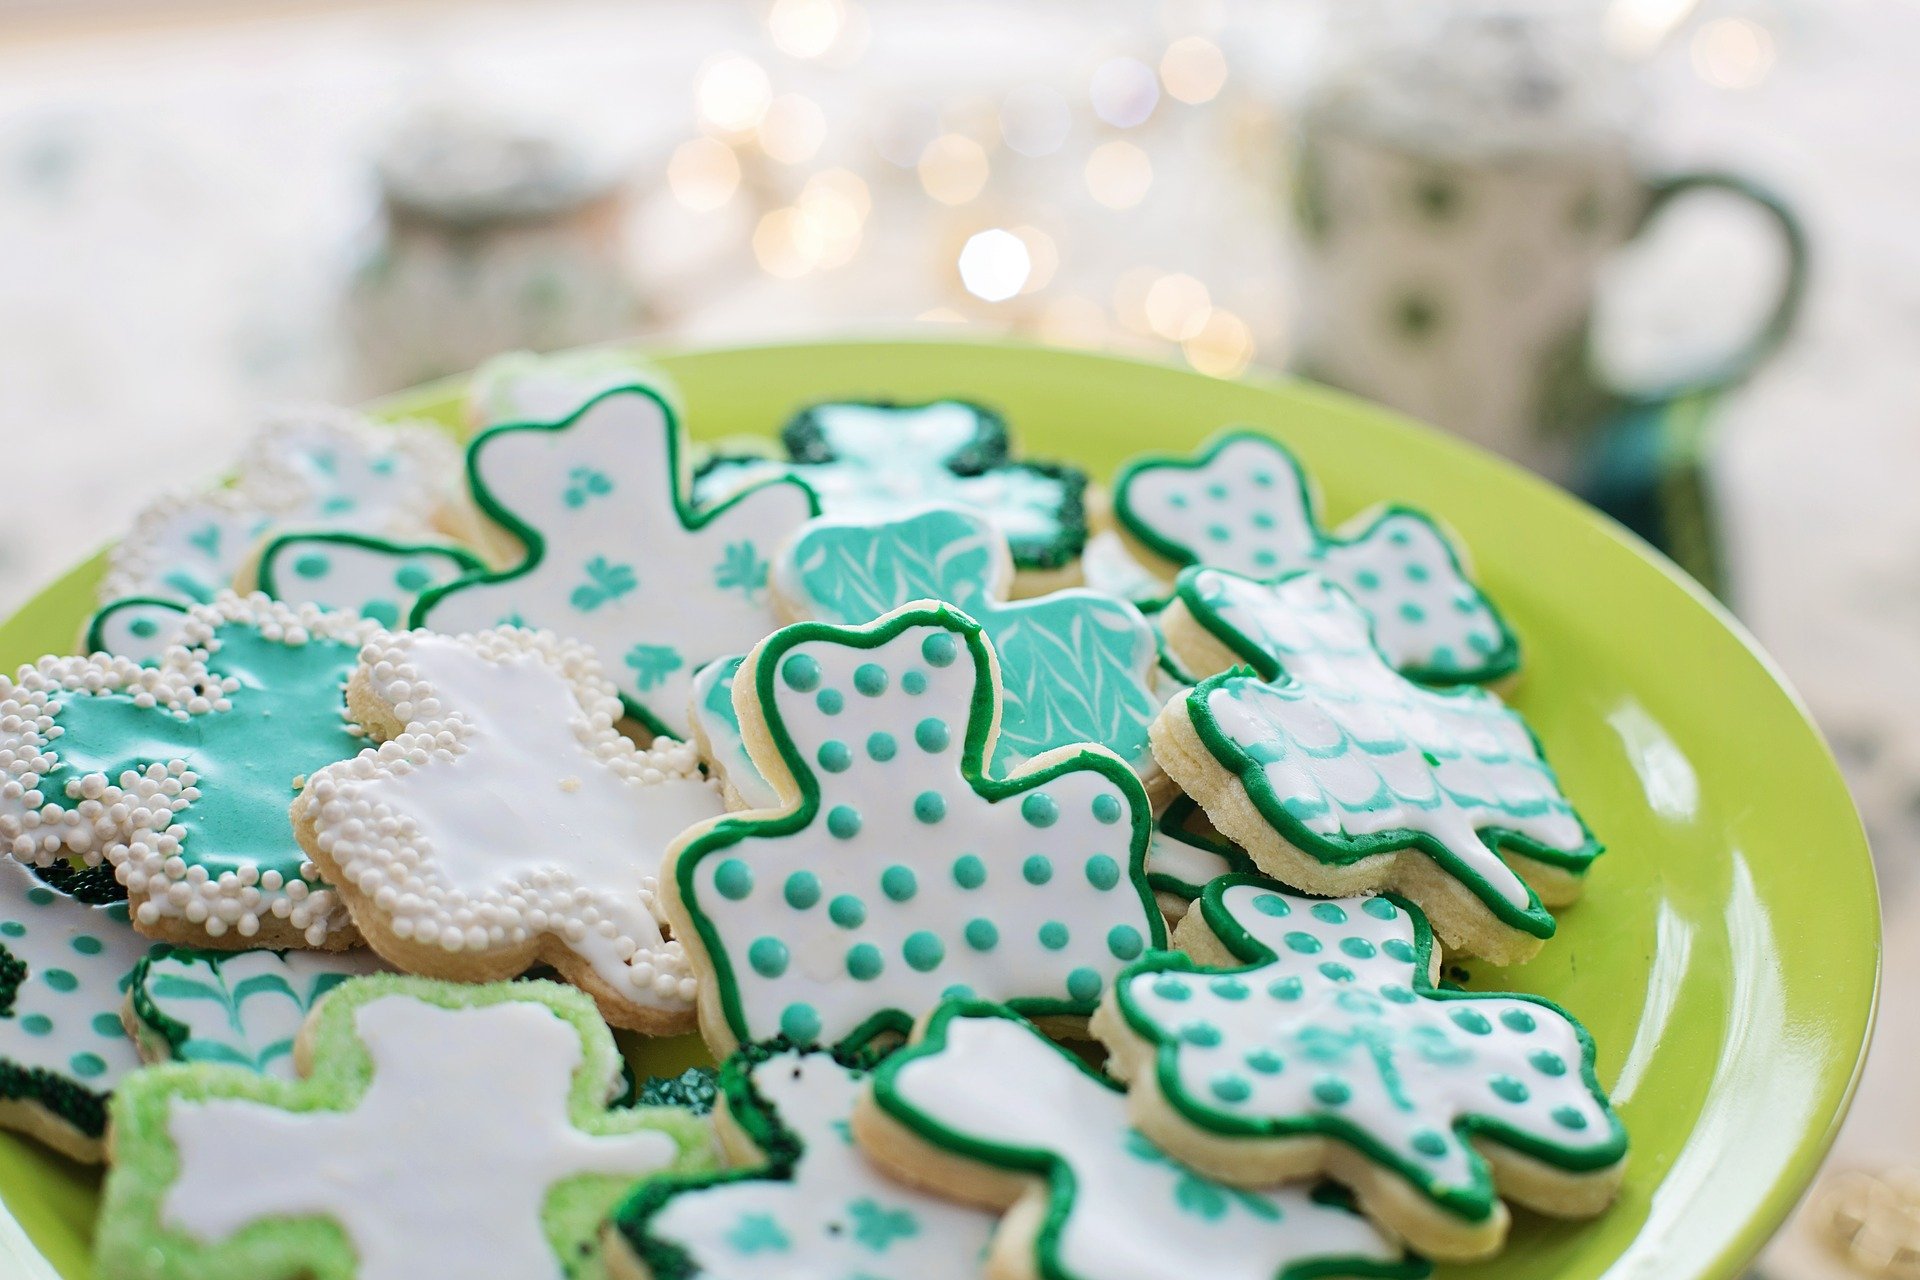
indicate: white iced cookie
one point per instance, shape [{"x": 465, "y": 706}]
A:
[{"x": 503, "y": 820}]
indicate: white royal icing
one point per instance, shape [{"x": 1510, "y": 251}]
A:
[
  {"x": 244, "y": 1008},
  {"x": 136, "y": 629},
  {"x": 1131, "y": 1211},
  {"x": 376, "y": 579},
  {"x": 618, "y": 566},
  {"x": 716, "y": 732},
  {"x": 510, "y": 808},
  {"x": 443, "y": 1166},
  {"x": 836, "y": 1217}
]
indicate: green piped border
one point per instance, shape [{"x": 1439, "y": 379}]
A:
[
  {"x": 1498, "y": 665},
  {"x": 931, "y": 1041},
  {"x": 267, "y": 580},
  {"x": 1474, "y": 1205},
  {"x": 982, "y": 721},
  {"x": 535, "y": 542},
  {"x": 1172, "y": 825},
  {"x": 92, "y": 637},
  {"x": 1533, "y": 919}
]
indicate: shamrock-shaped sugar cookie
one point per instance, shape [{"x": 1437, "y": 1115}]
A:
[
  {"x": 983, "y": 1108},
  {"x": 1244, "y": 505},
  {"x": 902, "y": 868},
  {"x": 66, "y": 953},
  {"x": 1328, "y": 1048},
  {"x": 376, "y": 578},
  {"x": 798, "y": 1198},
  {"x": 614, "y": 556},
  {"x": 716, "y": 735},
  {"x": 138, "y": 628},
  {"x": 879, "y": 461},
  {"x": 503, "y": 820},
  {"x": 1075, "y": 665},
  {"x": 521, "y": 386},
  {"x": 1337, "y": 775},
  {"x": 180, "y": 773},
  {"x": 438, "y": 1130}
]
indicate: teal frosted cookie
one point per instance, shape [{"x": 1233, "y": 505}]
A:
[
  {"x": 180, "y": 774},
  {"x": 438, "y": 1130},
  {"x": 66, "y": 953},
  {"x": 716, "y": 735},
  {"x": 138, "y": 628},
  {"x": 798, "y": 1198},
  {"x": 903, "y": 868},
  {"x": 377, "y": 578},
  {"x": 872, "y": 461},
  {"x": 1310, "y": 1038},
  {"x": 1337, "y": 775},
  {"x": 987, "y": 1110},
  {"x": 1075, "y": 665},
  {"x": 1244, "y": 505},
  {"x": 615, "y": 556},
  {"x": 239, "y": 1009}
]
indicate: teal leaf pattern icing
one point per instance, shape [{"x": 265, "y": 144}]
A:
[
  {"x": 1075, "y": 666},
  {"x": 605, "y": 582},
  {"x": 741, "y": 569},
  {"x": 1344, "y": 758},
  {"x": 871, "y": 462},
  {"x": 240, "y": 1009},
  {"x": 1244, "y": 505},
  {"x": 585, "y": 484},
  {"x": 1333, "y": 1027},
  {"x": 758, "y": 1233},
  {"x": 652, "y": 664}
]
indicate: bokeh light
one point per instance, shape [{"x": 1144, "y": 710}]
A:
[
  {"x": 1732, "y": 53},
  {"x": 703, "y": 174},
  {"x": 806, "y": 28},
  {"x": 733, "y": 93},
  {"x": 1193, "y": 70},
  {"x": 1176, "y": 306},
  {"x": 953, "y": 168},
  {"x": 1119, "y": 174},
  {"x": 1223, "y": 346},
  {"x": 994, "y": 264},
  {"x": 1124, "y": 92}
]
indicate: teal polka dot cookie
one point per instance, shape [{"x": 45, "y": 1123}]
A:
[
  {"x": 906, "y": 870},
  {"x": 377, "y": 578},
  {"x": 1329, "y": 1049},
  {"x": 1244, "y": 505},
  {"x": 65, "y": 962}
]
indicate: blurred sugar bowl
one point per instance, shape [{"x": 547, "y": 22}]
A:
[
  {"x": 1465, "y": 173},
  {"x": 498, "y": 232}
]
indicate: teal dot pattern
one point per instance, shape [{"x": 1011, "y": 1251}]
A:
[
  {"x": 1343, "y": 746},
  {"x": 79, "y": 961},
  {"x": 372, "y": 577},
  {"x": 1366, "y": 1046},
  {"x": 1242, "y": 505},
  {"x": 928, "y": 885}
]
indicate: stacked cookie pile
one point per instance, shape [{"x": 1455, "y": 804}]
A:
[{"x": 389, "y": 785}]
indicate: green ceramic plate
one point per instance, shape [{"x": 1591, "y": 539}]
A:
[{"x": 1727, "y": 955}]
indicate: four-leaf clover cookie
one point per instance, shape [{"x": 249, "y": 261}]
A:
[
  {"x": 901, "y": 867},
  {"x": 503, "y": 819},
  {"x": 1244, "y": 505},
  {"x": 798, "y": 1198},
  {"x": 1075, "y": 665},
  {"x": 438, "y": 1130},
  {"x": 984, "y": 1109},
  {"x": 879, "y": 461},
  {"x": 1337, "y": 775},
  {"x": 180, "y": 773},
  {"x": 613, "y": 554},
  {"x": 1310, "y": 1037}
]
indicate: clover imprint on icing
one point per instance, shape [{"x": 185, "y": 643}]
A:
[
  {"x": 376, "y": 578},
  {"x": 440, "y": 1130},
  {"x": 1332, "y": 1027},
  {"x": 65, "y": 956},
  {"x": 902, "y": 868},
  {"x": 803, "y": 1201},
  {"x": 1075, "y": 665},
  {"x": 615, "y": 557},
  {"x": 1353, "y": 767},
  {"x": 1244, "y": 505},
  {"x": 180, "y": 774},
  {"x": 880, "y": 461},
  {"x": 1097, "y": 1199},
  {"x": 503, "y": 818}
]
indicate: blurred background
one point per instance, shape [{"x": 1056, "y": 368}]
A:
[{"x": 1662, "y": 251}]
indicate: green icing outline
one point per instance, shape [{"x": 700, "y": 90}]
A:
[
  {"x": 267, "y": 581},
  {"x": 780, "y": 1148},
  {"x": 92, "y": 637},
  {"x": 805, "y": 440},
  {"x": 535, "y": 543},
  {"x": 171, "y": 1032},
  {"x": 1475, "y": 1205},
  {"x": 1051, "y": 1168},
  {"x": 1172, "y": 825},
  {"x": 731, "y": 831},
  {"x": 1341, "y": 851},
  {"x": 1498, "y": 665},
  {"x": 131, "y": 1240}
]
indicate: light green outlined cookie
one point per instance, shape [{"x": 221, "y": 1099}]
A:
[
  {"x": 377, "y": 578},
  {"x": 440, "y": 1130},
  {"x": 1311, "y": 1038},
  {"x": 984, "y": 1107},
  {"x": 905, "y": 870},
  {"x": 1244, "y": 504}
]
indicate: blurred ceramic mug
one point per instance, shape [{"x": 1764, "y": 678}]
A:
[{"x": 1450, "y": 250}]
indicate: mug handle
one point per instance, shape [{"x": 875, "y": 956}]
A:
[{"x": 1661, "y": 193}]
